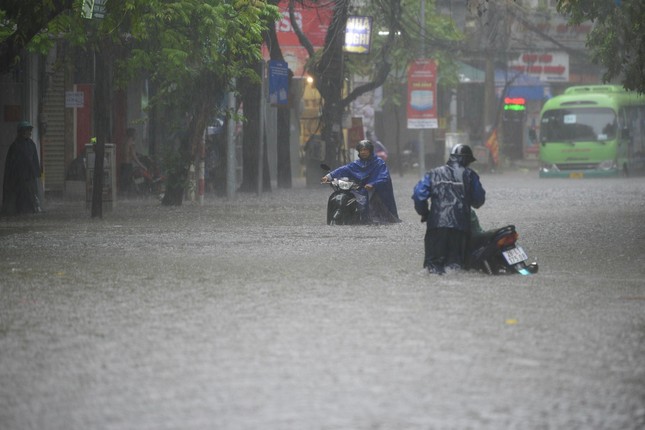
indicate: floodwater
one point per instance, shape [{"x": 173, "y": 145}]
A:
[{"x": 252, "y": 313}]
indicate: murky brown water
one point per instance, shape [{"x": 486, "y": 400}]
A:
[{"x": 253, "y": 313}]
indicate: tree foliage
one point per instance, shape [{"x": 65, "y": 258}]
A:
[
  {"x": 21, "y": 21},
  {"x": 402, "y": 38},
  {"x": 617, "y": 40},
  {"x": 192, "y": 50},
  {"x": 189, "y": 49}
]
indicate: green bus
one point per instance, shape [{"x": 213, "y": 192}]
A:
[{"x": 592, "y": 131}]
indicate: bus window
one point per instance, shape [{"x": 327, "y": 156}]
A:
[{"x": 578, "y": 124}]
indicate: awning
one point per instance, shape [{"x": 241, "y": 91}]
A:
[
  {"x": 521, "y": 85},
  {"x": 470, "y": 74}
]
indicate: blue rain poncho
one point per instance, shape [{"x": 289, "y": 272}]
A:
[
  {"x": 374, "y": 171},
  {"x": 452, "y": 190}
]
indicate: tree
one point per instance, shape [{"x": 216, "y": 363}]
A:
[
  {"x": 193, "y": 50},
  {"x": 438, "y": 39},
  {"x": 21, "y": 21},
  {"x": 284, "y": 126},
  {"x": 30, "y": 25},
  {"x": 330, "y": 66},
  {"x": 190, "y": 49},
  {"x": 617, "y": 40}
]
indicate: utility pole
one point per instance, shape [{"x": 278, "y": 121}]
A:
[
  {"x": 231, "y": 159},
  {"x": 422, "y": 143},
  {"x": 262, "y": 129}
]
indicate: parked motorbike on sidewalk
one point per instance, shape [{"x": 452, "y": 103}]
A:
[
  {"x": 342, "y": 207},
  {"x": 496, "y": 252},
  {"x": 147, "y": 180}
]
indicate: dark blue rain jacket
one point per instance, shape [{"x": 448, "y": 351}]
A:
[
  {"x": 452, "y": 190},
  {"x": 372, "y": 171}
]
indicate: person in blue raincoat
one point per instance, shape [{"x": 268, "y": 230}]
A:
[
  {"x": 453, "y": 189},
  {"x": 376, "y": 195}
]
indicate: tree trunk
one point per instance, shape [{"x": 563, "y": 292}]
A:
[
  {"x": 284, "y": 146},
  {"x": 251, "y": 93},
  {"x": 102, "y": 110},
  {"x": 284, "y": 120},
  {"x": 330, "y": 74},
  {"x": 204, "y": 103}
]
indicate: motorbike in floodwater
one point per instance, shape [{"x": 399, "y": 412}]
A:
[
  {"x": 496, "y": 252},
  {"x": 342, "y": 206}
]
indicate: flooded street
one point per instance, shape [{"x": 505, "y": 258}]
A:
[{"x": 252, "y": 313}]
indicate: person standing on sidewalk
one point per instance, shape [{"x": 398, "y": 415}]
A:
[
  {"x": 21, "y": 174},
  {"x": 452, "y": 189}
]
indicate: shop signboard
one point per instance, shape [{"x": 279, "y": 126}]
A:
[{"x": 422, "y": 98}]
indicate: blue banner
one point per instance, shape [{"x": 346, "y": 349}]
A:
[{"x": 278, "y": 82}]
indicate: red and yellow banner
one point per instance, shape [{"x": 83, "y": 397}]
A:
[
  {"x": 493, "y": 146},
  {"x": 422, "y": 94}
]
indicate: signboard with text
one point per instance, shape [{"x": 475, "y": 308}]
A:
[
  {"x": 74, "y": 99},
  {"x": 552, "y": 66},
  {"x": 278, "y": 83},
  {"x": 358, "y": 34},
  {"x": 422, "y": 94},
  {"x": 313, "y": 22}
]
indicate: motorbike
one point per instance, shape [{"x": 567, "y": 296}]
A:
[
  {"x": 342, "y": 207},
  {"x": 147, "y": 180},
  {"x": 496, "y": 252}
]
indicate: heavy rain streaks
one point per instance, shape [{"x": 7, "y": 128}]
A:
[{"x": 253, "y": 313}]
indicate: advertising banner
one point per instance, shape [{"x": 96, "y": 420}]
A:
[
  {"x": 278, "y": 83},
  {"x": 313, "y": 21},
  {"x": 422, "y": 94}
]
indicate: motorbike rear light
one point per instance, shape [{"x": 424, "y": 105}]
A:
[{"x": 508, "y": 240}]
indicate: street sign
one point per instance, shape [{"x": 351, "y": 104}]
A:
[
  {"x": 93, "y": 9},
  {"x": 74, "y": 99},
  {"x": 358, "y": 34}
]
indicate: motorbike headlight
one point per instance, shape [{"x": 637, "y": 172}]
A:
[
  {"x": 344, "y": 185},
  {"x": 549, "y": 167}
]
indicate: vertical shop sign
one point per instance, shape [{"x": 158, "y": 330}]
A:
[
  {"x": 422, "y": 99},
  {"x": 278, "y": 83}
]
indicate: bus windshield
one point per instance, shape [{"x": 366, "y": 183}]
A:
[{"x": 578, "y": 124}]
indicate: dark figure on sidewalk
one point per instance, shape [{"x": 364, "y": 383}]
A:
[
  {"x": 21, "y": 173},
  {"x": 452, "y": 189}
]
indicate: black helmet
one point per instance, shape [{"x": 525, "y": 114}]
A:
[
  {"x": 365, "y": 144},
  {"x": 465, "y": 153}
]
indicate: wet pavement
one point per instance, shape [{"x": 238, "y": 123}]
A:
[{"x": 253, "y": 314}]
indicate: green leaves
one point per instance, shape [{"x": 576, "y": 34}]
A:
[{"x": 617, "y": 38}]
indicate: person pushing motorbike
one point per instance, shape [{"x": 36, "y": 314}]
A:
[
  {"x": 375, "y": 196},
  {"x": 452, "y": 190}
]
